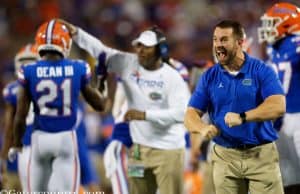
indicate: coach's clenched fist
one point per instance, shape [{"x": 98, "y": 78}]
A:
[{"x": 233, "y": 119}]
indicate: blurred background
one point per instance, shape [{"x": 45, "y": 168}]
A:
[{"x": 188, "y": 24}]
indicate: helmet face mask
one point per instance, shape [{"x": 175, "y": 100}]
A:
[
  {"x": 268, "y": 30},
  {"x": 280, "y": 20},
  {"x": 54, "y": 36}
]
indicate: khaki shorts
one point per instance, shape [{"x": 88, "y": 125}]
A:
[
  {"x": 238, "y": 171},
  {"x": 163, "y": 170}
]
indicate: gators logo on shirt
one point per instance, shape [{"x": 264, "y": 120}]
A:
[
  {"x": 247, "y": 82},
  {"x": 155, "y": 96}
]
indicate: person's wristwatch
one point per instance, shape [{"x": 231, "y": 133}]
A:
[{"x": 243, "y": 117}]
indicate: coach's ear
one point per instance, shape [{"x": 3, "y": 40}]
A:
[{"x": 241, "y": 42}]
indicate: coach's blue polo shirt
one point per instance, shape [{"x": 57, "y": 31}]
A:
[{"x": 218, "y": 92}]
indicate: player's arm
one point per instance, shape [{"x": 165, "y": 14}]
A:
[
  {"x": 93, "y": 97},
  {"x": 9, "y": 112},
  {"x": 90, "y": 92},
  {"x": 19, "y": 125},
  {"x": 111, "y": 91}
]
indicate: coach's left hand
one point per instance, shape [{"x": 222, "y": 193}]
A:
[{"x": 134, "y": 114}]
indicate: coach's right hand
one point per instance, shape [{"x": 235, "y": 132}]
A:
[
  {"x": 210, "y": 131},
  {"x": 72, "y": 29}
]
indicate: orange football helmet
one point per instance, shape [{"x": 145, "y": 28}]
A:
[
  {"x": 54, "y": 36},
  {"x": 26, "y": 55},
  {"x": 280, "y": 20}
]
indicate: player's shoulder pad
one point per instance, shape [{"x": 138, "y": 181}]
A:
[{"x": 78, "y": 60}]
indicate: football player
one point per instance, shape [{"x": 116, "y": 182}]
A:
[
  {"x": 27, "y": 55},
  {"x": 53, "y": 84},
  {"x": 281, "y": 31}
]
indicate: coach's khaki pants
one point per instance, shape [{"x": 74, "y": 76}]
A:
[
  {"x": 11, "y": 181},
  {"x": 237, "y": 171},
  {"x": 163, "y": 171}
]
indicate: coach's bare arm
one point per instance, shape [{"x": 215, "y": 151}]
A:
[{"x": 273, "y": 107}]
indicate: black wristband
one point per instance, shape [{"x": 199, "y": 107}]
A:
[{"x": 243, "y": 117}]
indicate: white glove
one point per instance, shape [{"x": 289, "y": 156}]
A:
[{"x": 12, "y": 154}]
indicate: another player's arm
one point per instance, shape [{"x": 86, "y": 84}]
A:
[
  {"x": 8, "y": 129},
  {"x": 19, "y": 125}
]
